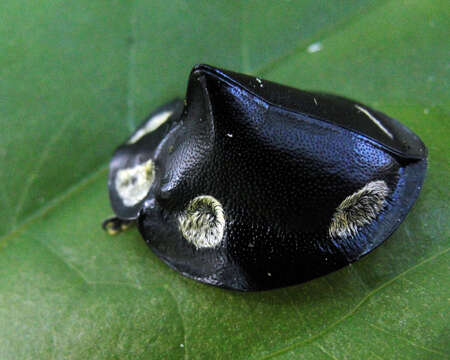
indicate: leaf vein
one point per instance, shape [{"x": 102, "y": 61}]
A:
[
  {"x": 51, "y": 205},
  {"x": 183, "y": 325},
  {"x": 330, "y": 355},
  {"x": 43, "y": 156},
  {"x": 320, "y": 35},
  {"x": 355, "y": 308},
  {"x": 69, "y": 265},
  {"x": 131, "y": 78},
  {"x": 390, "y": 333}
]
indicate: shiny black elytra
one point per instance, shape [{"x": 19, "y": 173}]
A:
[{"x": 252, "y": 185}]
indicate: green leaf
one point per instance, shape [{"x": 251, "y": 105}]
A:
[{"x": 76, "y": 78}]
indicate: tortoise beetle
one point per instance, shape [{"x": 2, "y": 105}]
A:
[{"x": 252, "y": 185}]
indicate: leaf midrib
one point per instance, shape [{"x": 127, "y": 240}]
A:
[{"x": 52, "y": 204}]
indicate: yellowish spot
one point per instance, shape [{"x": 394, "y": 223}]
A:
[
  {"x": 358, "y": 209},
  {"x": 151, "y": 125},
  {"x": 133, "y": 184},
  {"x": 202, "y": 223}
]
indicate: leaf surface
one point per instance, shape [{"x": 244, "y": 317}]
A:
[{"x": 77, "y": 78}]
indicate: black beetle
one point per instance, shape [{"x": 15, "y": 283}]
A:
[{"x": 252, "y": 185}]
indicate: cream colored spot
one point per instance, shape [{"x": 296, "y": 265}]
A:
[
  {"x": 202, "y": 223},
  {"x": 358, "y": 209},
  {"x": 132, "y": 184},
  {"x": 151, "y": 125}
]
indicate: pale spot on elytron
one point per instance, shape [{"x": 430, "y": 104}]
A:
[
  {"x": 202, "y": 223},
  {"x": 151, "y": 125},
  {"x": 133, "y": 184},
  {"x": 358, "y": 209}
]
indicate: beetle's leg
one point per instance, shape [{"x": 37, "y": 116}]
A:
[{"x": 114, "y": 225}]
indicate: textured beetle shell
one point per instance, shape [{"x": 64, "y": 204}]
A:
[{"x": 280, "y": 162}]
